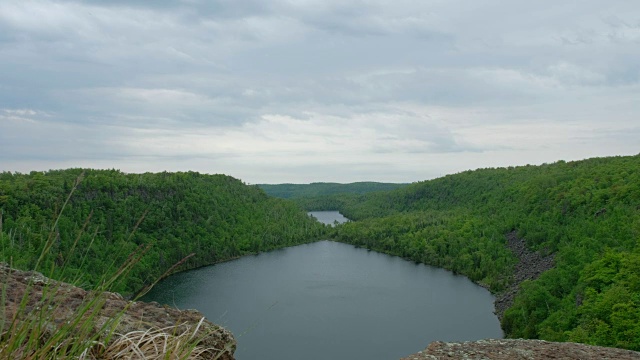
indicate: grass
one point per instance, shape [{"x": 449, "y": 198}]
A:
[
  {"x": 46, "y": 321},
  {"x": 160, "y": 344}
]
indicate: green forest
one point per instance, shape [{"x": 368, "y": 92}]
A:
[
  {"x": 587, "y": 213},
  {"x": 111, "y": 216}
]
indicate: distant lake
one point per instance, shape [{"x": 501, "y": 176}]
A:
[
  {"x": 329, "y": 300},
  {"x": 328, "y": 217}
]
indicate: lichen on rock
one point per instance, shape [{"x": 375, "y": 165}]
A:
[{"x": 519, "y": 349}]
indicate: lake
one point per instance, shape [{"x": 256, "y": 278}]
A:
[
  {"x": 328, "y": 217},
  {"x": 329, "y": 300}
]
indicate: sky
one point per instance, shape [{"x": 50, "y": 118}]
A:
[{"x": 299, "y": 91}]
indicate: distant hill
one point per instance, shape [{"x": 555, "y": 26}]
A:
[{"x": 294, "y": 191}]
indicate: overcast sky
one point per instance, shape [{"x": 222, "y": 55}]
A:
[{"x": 301, "y": 91}]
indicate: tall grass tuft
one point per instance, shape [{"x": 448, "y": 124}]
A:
[{"x": 41, "y": 323}]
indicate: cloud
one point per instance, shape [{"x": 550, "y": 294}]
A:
[{"x": 316, "y": 90}]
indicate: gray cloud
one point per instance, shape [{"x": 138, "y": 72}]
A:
[{"x": 227, "y": 86}]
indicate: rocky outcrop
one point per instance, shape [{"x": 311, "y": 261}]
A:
[
  {"x": 518, "y": 349},
  {"x": 60, "y": 303},
  {"x": 529, "y": 267}
]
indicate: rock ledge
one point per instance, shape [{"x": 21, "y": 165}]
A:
[
  {"x": 60, "y": 302},
  {"x": 518, "y": 349}
]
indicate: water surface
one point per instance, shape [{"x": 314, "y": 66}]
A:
[
  {"x": 328, "y": 217},
  {"x": 329, "y": 300}
]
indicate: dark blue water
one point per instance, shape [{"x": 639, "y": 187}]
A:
[{"x": 329, "y": 300}]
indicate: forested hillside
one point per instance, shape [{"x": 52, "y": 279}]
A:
[
  {"x": 295, "y": 191},
  {"x": 587, "y": 213},
  {"x": 111, "y": 214}
]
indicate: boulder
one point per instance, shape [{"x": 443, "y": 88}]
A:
[
  {"x": 145, "y": 325},
  {"x": 530, "y": 266}
]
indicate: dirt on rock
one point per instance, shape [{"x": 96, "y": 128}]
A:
[
  {"x": 60, "y": 302},
  {"x": 518, "y": 349}
]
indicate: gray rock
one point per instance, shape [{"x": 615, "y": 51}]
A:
[{"x": 62, "y": 302}]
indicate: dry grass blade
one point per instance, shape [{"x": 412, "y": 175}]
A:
[
  {"x": 42, "y": 319},
  {"x": 158, "y": 344}
]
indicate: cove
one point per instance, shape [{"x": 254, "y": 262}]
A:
[{"x": 328, "y": 300}]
